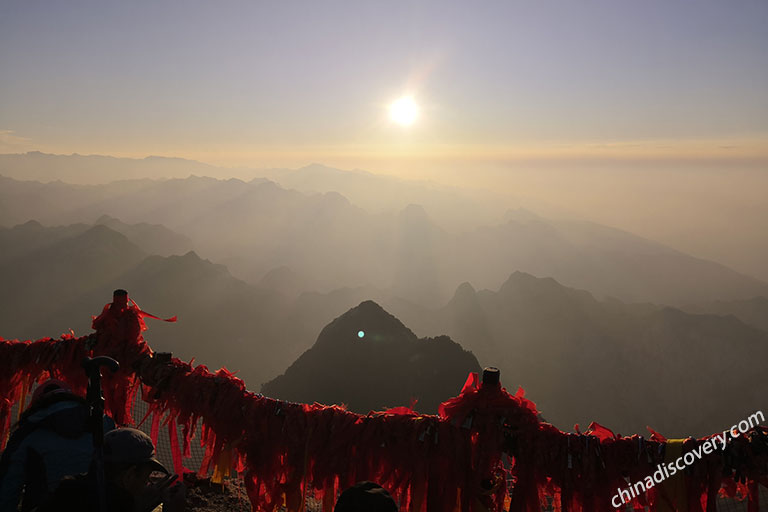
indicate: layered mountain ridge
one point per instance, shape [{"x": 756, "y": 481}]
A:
[
  {"x": 257, "y": 227},
  {"x": 368, "y": 360}
]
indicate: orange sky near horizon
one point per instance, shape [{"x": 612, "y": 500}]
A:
[{"x": 283, "y": 85}]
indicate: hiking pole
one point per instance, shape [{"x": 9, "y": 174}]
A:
[{"x": 96, "y": 419}]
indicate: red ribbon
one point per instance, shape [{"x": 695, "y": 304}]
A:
[{"x": 429, "y": 463}]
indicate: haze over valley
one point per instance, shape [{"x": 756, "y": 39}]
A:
[{"x": 566, "y": 308}]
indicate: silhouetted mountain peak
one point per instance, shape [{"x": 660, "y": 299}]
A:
[
  {"x": 465, "y": 301},
  {"x": 191, "y": 261},
  {"x": 283, "y": 279},
  {"x": 187, "y": 268},
  {"x": 464, "y": 291},
  {"x": 30, "y": 225},
  {"x": 522, "y": 280},
  {"x": 191, "y": 256},
  {"x": 335, "y": 197},
  {"x": 329, "y": 202},
  {"x": 368, "y": 359},
  {"x": 414, "y": 213},
  {"x": 108, "y": 220},
  {"x": 417, "y": 226},
  {"x": 367, "y": 322},
  {"x": 267, "y": 186},
  {"x": 152, "y": 238},
  {"x": 52, "y": 274},
  {"x": 101, "y": 235},
  {"x": 544, "y": 291},
  {"x": 703, "y": 327},
  {"x": 752, "y": 311}
]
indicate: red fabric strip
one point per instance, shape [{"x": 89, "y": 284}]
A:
[{"x": 178, "y": 466}]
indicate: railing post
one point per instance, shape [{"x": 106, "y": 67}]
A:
[{"x": 491, "y": 377}]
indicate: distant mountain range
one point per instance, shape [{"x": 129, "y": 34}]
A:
[
  {"x": 752, "y": 311},
  {"x": 579, "y": 358},
  {"x": 374, "y": 192},
  {"x": 30, "y": 236},
  {"x": 255, "y": 271},
  {"x": 630, "y": 365},
  {"x": 96, "y": 169},
  {"x": 460, "y": 209},
  {"x": 368, "y": 360},
  {"x": 700, "y": 220},
  {"x": 257, "y": 227},
  {"x": 52, "y": 289},
  {"x": 55, "y": 278},
  {"x": 38, "y": 281}
]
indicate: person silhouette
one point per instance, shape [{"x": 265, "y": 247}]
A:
[
  {"x": 129, "y": 463},
  {"x": 365, "y": 497},
  {"x": 51, "y": 440}
]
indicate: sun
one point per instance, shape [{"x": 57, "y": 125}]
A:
[{"x": 404, "y": 111}]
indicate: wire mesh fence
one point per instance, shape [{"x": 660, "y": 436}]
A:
[
  {"x": 193, "y": 463},
  {"x": 236, "y": 485}
]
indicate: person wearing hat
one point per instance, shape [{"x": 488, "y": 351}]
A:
[
  {"x": 50, "y": 441},
  {"x": 365, "y": 497},
  {"x": 129, "y": 462}
]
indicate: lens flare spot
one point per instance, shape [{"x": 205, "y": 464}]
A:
[{"x": 360, "y": 334}]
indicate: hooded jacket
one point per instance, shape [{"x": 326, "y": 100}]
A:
[{"x": 50, "y": 442}]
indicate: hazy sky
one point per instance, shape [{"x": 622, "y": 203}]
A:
[{"x": 263, "y": 83}]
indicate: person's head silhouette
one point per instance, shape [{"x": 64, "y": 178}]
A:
[{"x": 365, "y": 497}]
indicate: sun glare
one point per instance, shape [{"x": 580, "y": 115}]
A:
[{"x": 404, "y": 111}]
